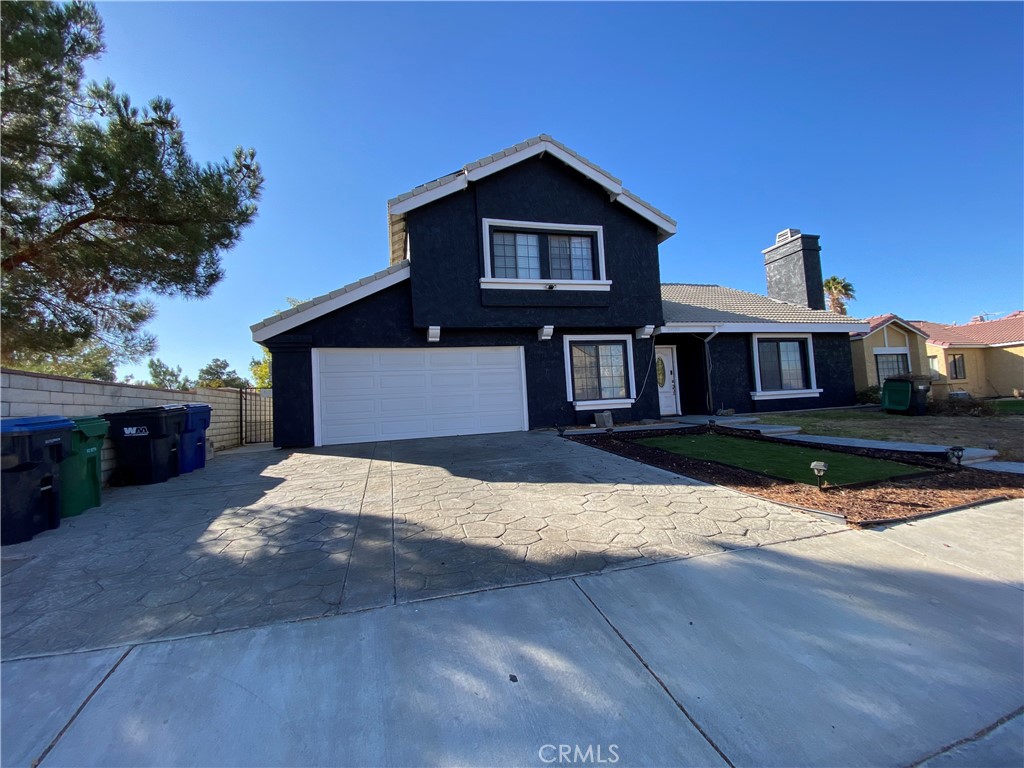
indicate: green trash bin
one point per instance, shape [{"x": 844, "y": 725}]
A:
[
  {"x": 81, "y": 476},
  {"x": 896, "y": 394}
]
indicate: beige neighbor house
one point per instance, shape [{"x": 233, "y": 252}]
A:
[
  {"x": 890, "y": 347},
  {"x": 984, "y": 358}
]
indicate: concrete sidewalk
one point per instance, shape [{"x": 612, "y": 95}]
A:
[{"x": 856, "y": 648}]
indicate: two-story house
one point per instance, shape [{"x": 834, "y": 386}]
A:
[{"x": 524, "y": 291}]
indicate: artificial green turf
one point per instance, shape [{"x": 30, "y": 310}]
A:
[
  {"x": 1004, "y": 407},
  {"x": 786, "y": 462}
]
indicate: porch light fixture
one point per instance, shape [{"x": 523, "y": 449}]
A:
[
  {"x": 956, "y": 453},
  {"x": 820, "y": 468}
]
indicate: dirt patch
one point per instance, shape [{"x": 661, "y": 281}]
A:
[{"x": 942, "y": 487}]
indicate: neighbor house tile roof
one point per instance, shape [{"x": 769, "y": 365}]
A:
[
  {"x": 714, "y": 304},
  {"x": 1006, "y": 330},
  {"x": 877, "y": 321}
]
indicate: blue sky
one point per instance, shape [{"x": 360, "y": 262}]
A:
[{"x": 893, "y": 131}]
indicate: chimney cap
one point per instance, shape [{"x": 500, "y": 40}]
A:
[{"x": 786, "y": 234}]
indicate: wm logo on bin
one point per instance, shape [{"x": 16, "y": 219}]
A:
[{"x": 136, "y": 431}]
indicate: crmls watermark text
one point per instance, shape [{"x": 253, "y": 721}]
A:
[{"x": 576, "y": 754}]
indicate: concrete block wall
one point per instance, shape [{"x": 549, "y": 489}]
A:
[{"x": 34, "y": 394}]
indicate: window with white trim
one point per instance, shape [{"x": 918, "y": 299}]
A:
[
  {"x": 536, "y": 255},
  {"x": 783, "y": 366},
  {"x": 599, "y": 371},
  {"x": 891, "y": 365}
]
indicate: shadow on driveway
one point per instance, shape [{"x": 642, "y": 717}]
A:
[{"x": 261, "y": 538}]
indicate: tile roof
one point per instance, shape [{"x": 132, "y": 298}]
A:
[
  {"x": 715, "y": 304},
  {"x": 877, "y": 321},
  {"x": 1005, "y": 330}
]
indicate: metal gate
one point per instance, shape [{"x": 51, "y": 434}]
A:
[{"x": 256, "y": 415}]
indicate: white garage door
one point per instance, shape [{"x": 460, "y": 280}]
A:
[{"x": 361, "y": 395}]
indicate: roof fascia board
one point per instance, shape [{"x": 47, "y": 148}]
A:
[
  {"x": 460, "y": 182},
  {"x": 457, "y": 184},
  {"x": 900, "y": 323},
  {"x": 642, "y": 210},
  {"x": 767, "y": 327},
  {"x": 350, "y": 297}
]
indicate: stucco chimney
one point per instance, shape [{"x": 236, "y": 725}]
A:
[{"x": 793, "y": 267}]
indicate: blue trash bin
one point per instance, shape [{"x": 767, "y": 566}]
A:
[
  {"x": 31, "y": 450},
  {"x": 192, "y": 448}
]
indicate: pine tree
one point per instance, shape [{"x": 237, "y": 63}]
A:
[{"x": 101, "y": 201}]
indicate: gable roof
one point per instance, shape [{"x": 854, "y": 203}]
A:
[
  {"x": 878, "y": 322},
  {"x": 1006, "y": 331},
  {"x": 731, "y": 310},
  {"x": 454, "y": 182},
  {"x": 321, "y": 305}
]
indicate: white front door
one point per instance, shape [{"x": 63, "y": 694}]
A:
[{"x": 668, "y": 388}]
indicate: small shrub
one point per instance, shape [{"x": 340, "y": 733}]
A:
[
  {"x": 870, "y": 396},
  {"x": 961, "y": 406}
]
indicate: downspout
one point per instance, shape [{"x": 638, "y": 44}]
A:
[{"x": 707, "y": 367}]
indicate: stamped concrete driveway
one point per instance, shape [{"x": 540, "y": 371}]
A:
[{"x": 258, "y": 538}]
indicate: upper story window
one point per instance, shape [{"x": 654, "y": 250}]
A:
[{"x": 539, "y": 256}]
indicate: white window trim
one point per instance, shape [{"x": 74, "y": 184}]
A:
[
  {"x": 601, "y": 283},
  {"x": 597, "y": 405},
  {"x": 784, "y": 394},
  {"x": 891, "y": 351}
]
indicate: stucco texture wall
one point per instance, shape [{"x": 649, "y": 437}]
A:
[
  {"x": 975, "y": 381},
  {"x": 865, "y": 371}
]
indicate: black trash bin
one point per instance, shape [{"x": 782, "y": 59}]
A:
[
  {"x": 146, "y": 444},
  {"x": 192, "y": 449},
  {"x": 31, "y": 450}
]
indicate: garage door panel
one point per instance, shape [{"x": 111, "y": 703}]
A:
[
  {"x": 393, "y": 394},
  {"x": 406, "y": 360},
  {"x": 403, "y": 381}
]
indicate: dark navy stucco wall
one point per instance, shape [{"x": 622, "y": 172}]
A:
[
  {"x": 446, "y": 250},
  {"x": 732, "y": 373},
  {"x": 385, "y": 320}
]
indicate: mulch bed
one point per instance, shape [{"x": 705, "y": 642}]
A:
[{"x": 943, "y": 486}]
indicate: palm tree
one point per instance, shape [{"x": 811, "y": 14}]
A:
[{"x": 838, "y": 292}]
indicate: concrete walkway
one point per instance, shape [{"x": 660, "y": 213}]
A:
[
  {"x": 262, "y": 537},
  {"x": 880, "y": 648},
  {"x": 971, "y": 455}
]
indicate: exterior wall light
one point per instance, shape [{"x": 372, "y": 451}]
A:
[
  {"x": 956, "y": 453},
  {"x": 820, "y": 468}
]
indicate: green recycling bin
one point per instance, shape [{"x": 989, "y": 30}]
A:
[{"x": 81, "y": 476}]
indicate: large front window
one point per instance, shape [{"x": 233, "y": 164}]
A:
[
  {"x": 783, "y": 364},
  {"x": 891, "y": 365},
  {"x": 598, "y": 371}
]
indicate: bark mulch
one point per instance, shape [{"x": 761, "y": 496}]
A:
[{"x": 941, "y": 487}]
